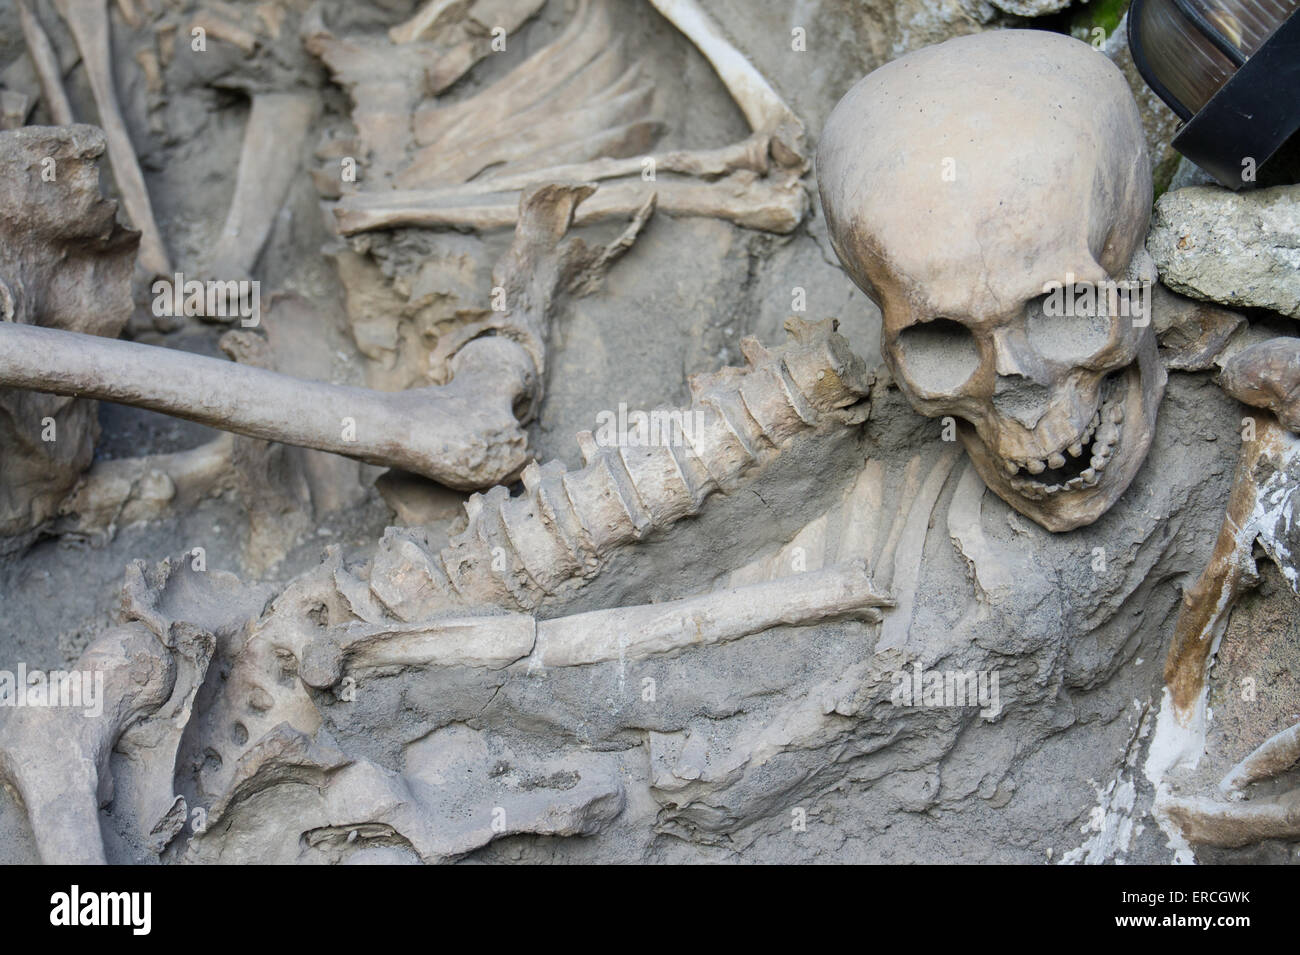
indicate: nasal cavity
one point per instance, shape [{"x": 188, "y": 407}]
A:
[{"x": 1020, "y": 399}]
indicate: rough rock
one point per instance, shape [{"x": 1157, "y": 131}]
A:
[{"x": 1240, "y": 249}]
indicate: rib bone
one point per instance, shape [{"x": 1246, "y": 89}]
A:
[{"x": 763, "y": 107}]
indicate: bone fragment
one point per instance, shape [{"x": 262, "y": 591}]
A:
[
  {"x": 14, "y": 107},
  {"x": 1275, "y": 755},
  {"x": 634, "y": 633},
  {"x": 46, "y": 63},
  {"x": 1267, "y": 375},
  {"x": 88, "y": 22},
  {"x": 762, "y": 105},
  {"x": 431, "y": 17},
  {"x": 273, "y": 138}
]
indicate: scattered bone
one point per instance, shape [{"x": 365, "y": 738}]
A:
[
  {"x": 14, "y": 107},
  {"x": 118, "y": 493},
  {"x": 273, "y": 139},
  {"x": 63, "y": 795},
  {"x": 152, "y": 70},
  {"x": 1203, "y": 820},
  {"x": 634, "y": 633},
  {"x": 431, "y": 17},
  {"x": 1259, "y": 509},
  {"x": 763, "y": 107},
  {"x": 46, "y": 62},
  {"x": 1272, "y": 757},
  {"x": 453, "y": 433},
  {"x": 464, "y": 434},
  {"x": 772, "y": 205},
  {"x": 226, "y": 30},
  {"x": 87, "y": 20},
  {"x": 1267, "y": 375}
]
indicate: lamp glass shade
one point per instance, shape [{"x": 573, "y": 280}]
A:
[{"x": 1193, "y": 47}]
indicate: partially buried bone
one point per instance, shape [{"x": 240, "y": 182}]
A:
[
  {"x": 1267, "y": 375},
  {"x": 46, "y": 63},
  {"x": 570, "y": 110},
  {"x": 622, "y": 633},
  {"x": 87, "y": 20},
  {"x": 123, "y": 676},
  {"x": 1258, "y": 510},
  {"x": 276, "y": 127},
  {"x": 515, "y": 551},
  {"x": 465, "y": 434},
  {"x": 761, "y": 104}
]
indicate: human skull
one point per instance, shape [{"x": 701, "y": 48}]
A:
[{"x": 961, "y": 183}]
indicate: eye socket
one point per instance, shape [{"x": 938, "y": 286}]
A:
[
  {"x": 1070, "y": 324},
  {"x": 938, "y": 356}
]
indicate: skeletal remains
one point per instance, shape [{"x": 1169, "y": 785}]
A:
[{"x": 217, "y": 709}]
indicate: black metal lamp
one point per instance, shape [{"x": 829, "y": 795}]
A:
[{"x": 1230, "y": 69}]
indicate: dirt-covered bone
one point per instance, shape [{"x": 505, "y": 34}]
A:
[
  {"x": 87, "y": 20},
  {"x": 1267, "y": 375},
  {"x": 515, "y": 551},
  {"x": 46, "y": 63},
  {"x": 466, "y": 434},
  {"x": 573, "y": 110},
  {"x": 964, "y": 182}
]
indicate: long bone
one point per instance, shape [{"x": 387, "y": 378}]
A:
[
  {"x": 1259, "y": 509},
  {"x": 621, "y": 633},
  {"x": 577, "y": 118},
  {"x": 276, "y": 126},
  {"x": 46, "y": 63},
  {"x": 134, "y": 674},
  {"x": 763, "y": 107},
  {"x": 87, "y": 20},
  {"x": 464, "y": 434}
]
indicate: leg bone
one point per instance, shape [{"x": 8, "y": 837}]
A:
[{"x": 88, "y": 22}]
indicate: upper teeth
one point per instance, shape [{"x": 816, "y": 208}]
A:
[{"x": 1102, "y": 431}]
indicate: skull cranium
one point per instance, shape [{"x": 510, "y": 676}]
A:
[{"x": 961, "y": 183}]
